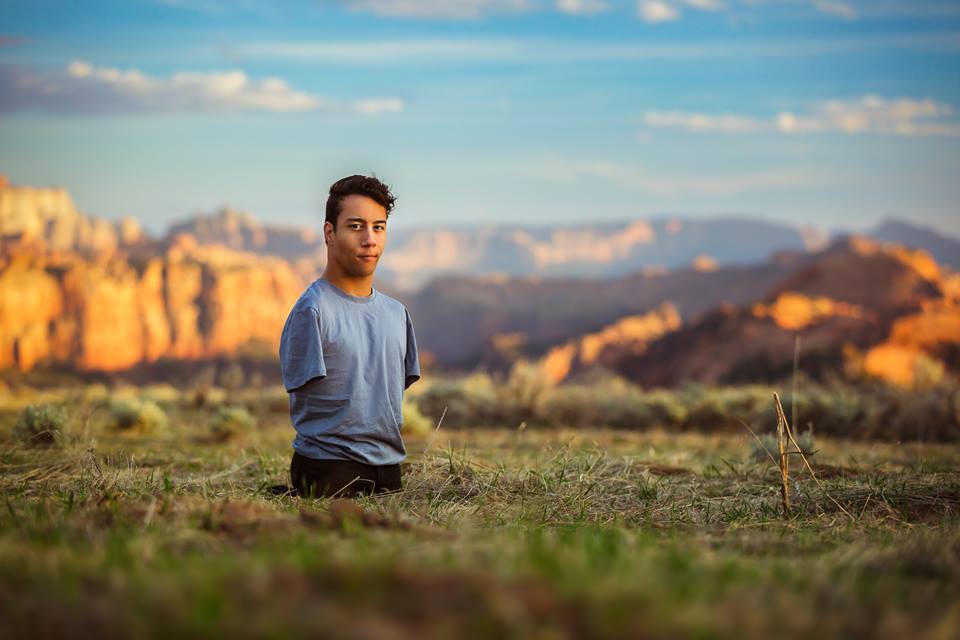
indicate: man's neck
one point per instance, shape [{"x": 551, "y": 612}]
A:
[{"x": 361, "y": 287}]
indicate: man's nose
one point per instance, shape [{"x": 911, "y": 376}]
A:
[{"x": 369, "y": 238}]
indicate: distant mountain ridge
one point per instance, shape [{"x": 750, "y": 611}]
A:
[
  {"x": 859, "y": 307},
  {"x": 49, "y": 214},
  {"x": 417, "y": 255},
  {"x": 99, "y": 295},
  {"x": 243, "y": 232},
  {"x": 87, "y": 294},
  {"x": 943, "y": 248},
  {"x": 464, "y": 321},
  {"x": 590, "y": 251}
]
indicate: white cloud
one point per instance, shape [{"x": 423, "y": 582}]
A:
[
  {"x": 263, "y": 8},
  {"x": 706, "y": 5},
  {"x": 701, "y": 122},
  {"x": 868, "y": 114},
  {"x": 84, "y": 88},
  {"x": 835, "y": 8},
  {"x": 440, "y": 9},
  {"x": 639, "y": 178},
  {"x": 582, "y": 7},
  {"x": 390, "y": 51},
  {"x": 557, "y": 51},
  {"x": 376, "y": 106},
  {"x": 873, "y": 114},
  {"x": 203, "y": 6},
  {"x": 654, "y": 11}
]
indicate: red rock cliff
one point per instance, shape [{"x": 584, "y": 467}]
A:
[{"x": 70, "y": 294}]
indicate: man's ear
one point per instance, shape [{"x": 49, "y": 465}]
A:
[{"x": 328, "y": 232}]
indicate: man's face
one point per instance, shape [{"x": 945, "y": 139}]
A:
[{"x": 359, "y": 237}]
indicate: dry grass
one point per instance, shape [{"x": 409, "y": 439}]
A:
[{"x": 499, "y": 532}]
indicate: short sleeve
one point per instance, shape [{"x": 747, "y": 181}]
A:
[
  {"x": 301, "y": 348},
  {"x": 411, "y": 362}
]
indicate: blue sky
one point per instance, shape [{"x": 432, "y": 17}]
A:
[{"x": 814, "y": 112}]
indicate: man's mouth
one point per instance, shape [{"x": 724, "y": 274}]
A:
[{"x": 368, "y": 257}]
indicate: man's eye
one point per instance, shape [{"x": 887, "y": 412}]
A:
[
  {"x": 379, "y": 227},
  {"x": 355, "y": 226}
]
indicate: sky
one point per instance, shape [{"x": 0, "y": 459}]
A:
[{"x": 828, "y": 113}]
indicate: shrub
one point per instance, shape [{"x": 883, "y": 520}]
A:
[
  {"x": 616, "y": 405},
  {"x": 275, "y": 399},
  {"x": 715, "y": 409},
  {"x": 929, "y": 414},
  {"x": 40, "y": 425},
  {"x": 627, "y": 410},
  {"x": 96, "y": 392},
  {"x": 568, "y": 406},
  {"x": 667, "y": 409},
  {"x": 832, "y": 408},
  {"x": 204, "y": 396},
  {"x": 836, "y": 411},
  {"x": 161, "y": 394},
  {"x": 413, "y": 420},
  {"x": 232, "y": 379},
  {"x": 143, "y": 416},
  {"x": 470, "y": 401},
  {"x": 230, "y": 421},
  {"x": 759, "y": 451},
  {"x": 521, "y": 392}
]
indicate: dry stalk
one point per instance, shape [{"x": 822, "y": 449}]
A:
[
  {"x": 796, "y": 367},
  {"x": 782, "y": 446},
  {"x": 810, "y": 468},
  {"x": 434, "y": 434},
  {"x": 758, "y": 439}
]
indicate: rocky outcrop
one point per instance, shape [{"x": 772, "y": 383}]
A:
[
  {"x": 920, "y": 344},
  {"x": 606, "y": 347},
  {"x": 86, "y": 293},
  {"x": 241, "y": 231},
  {"x": 31, "y": 302},
  {"x": 944, "y": 249},
  {"x": 888, "y": 279},
  {"x": 470, "y": 322},
  {"x": 48, "y": 215},
  {"x": 61, "y": 308},
  {"x": 95, "y": 295},
  {"x": 607, "y": 250},
  {"x": 794, "y": 311},
  {"x": 111, "y": 315},
  {"x": 885, "y": 306}
]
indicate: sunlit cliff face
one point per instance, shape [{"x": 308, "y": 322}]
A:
[
  {"x": 632, "y": 333},
  {"x": 49, "y": 213},
  {"x": 795, "y": 311}
]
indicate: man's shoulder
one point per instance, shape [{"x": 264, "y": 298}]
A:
[
  {"x": 313, "y": 297},
  {"x": 390, "y": 302}
]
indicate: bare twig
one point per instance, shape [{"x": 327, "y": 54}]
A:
[
  {"x": 784, "y": 464},
  {"x": 760, "y": 440},
  {"x": 814, "y": 475},
  {"x": 796, "y": 366},
  {"x": 434, "y": 435}
]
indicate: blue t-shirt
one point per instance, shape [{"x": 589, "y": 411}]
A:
[{"x": 346, "y": 361}]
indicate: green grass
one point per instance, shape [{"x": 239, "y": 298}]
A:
[{"x": 498, "y": 533}]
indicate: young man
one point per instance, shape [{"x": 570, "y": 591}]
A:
[{"x": 347, "y": 353}]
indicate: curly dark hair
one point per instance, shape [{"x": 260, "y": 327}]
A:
[{"x": 359, "y": 185}]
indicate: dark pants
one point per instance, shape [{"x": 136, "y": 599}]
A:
[{"x": 341, "y": 478}]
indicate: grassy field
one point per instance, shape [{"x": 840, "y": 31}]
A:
[{"x": 499, "y": 532}]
